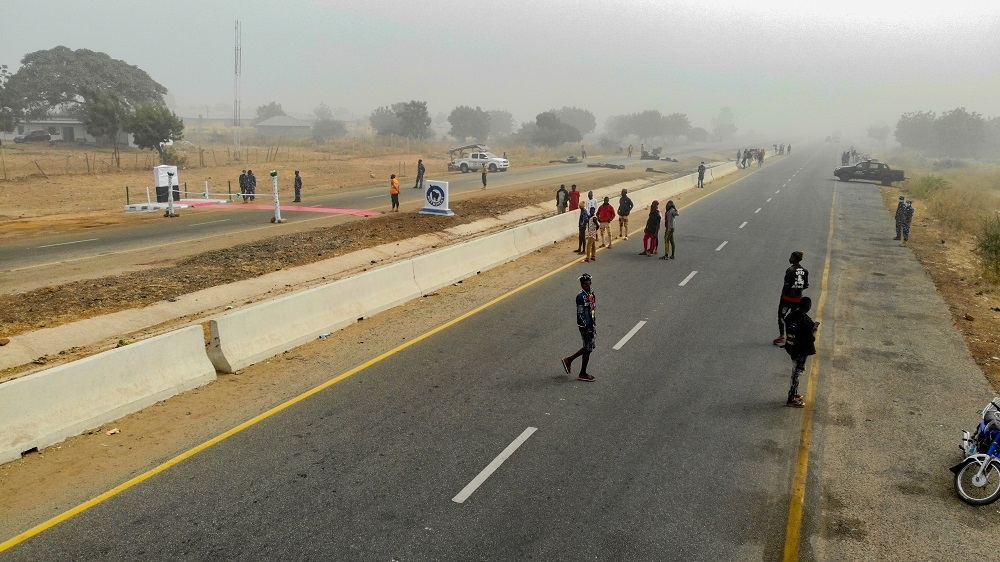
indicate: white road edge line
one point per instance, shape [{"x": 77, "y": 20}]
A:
[
  {"x": 493, "y": 466},
  {"x": 724, "y": 242},
  {"x": 621, "y": 343},
  {"x": 744, "y": 224},
  {"x": 688, "y": 278},
  {"x": 64, "y": 243},
  {"x": 757, "y": 211},
  {"x": 209, "y": 222}
]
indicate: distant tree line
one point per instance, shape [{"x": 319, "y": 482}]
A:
[{"x": 956, "y": 133}]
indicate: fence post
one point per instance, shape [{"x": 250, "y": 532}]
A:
[
  {"x": 277, "y": 205},
  {"x": 170, "y": 195},
  {"x": 127, "y": 202}
]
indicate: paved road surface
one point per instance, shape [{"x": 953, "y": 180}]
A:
[
  {"x": 47, "y": 248},
  {"x": 682, "y": 449}
]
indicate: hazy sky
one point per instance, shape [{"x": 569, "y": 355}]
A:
[{"x": 779, "y": 64}]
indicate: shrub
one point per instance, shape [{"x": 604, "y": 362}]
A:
[
  {"x": 928, "y": 185},
  {"x": 988, "y": 247}
]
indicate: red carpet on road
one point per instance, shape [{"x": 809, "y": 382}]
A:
[{"x": 236, "y": 205}]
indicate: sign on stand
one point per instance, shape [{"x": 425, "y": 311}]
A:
[{"x": 436, "y": 199}]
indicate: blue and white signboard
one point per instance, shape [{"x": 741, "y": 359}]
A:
[{"x": 436, "y": 199}]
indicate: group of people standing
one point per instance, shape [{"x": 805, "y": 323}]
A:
[
  {"x": 748, "y": 156},
  {"x": 248, "y": 185},
  {"x": 595, "y": 219},
  {"x": 849, "y": 157}
]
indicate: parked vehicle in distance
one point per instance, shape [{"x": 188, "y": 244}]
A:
[
  {"x": 871, "y": 170},
  {"x": 474, "y": 162},
  {"x": 33, "y": 136}
]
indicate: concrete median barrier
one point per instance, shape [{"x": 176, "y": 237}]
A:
[
  {"x": 532, "y": 236},
  {"x": 47, "y": 407},
  {"x": 444, "y": 267},
  {"x": 244, "y": 337}
]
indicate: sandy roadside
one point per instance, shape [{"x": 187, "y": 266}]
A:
[{"x": 897, "y": 386}]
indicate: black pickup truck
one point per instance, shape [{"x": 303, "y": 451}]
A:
[{"x": 869, "y": 170}]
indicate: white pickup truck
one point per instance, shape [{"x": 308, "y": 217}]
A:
[{"x": 475, "y": 160}]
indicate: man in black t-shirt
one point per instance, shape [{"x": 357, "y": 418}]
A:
[{"x": 800, "y": 344}]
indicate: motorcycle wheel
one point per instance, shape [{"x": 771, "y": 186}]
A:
[{"x": 978, "y": 493}]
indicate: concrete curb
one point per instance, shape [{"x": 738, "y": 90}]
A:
[{"x": 47, "y": 407}]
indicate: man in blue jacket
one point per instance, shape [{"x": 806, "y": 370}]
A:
[{"x": 586, "y": 321}]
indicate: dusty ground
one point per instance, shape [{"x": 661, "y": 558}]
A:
[{"x": 951, "y": 263}]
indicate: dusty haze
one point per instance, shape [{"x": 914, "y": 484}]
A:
[{"x": 781, "y": 66}]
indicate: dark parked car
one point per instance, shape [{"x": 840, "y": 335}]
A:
[
  {"x": 870, "y": 170},
  {"x": 33, "y": 136}
]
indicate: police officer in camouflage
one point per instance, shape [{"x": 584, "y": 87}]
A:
[{"x": 900, "y": 217}]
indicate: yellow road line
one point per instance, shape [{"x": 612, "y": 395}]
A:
[
  {"x": 283, "y": 406},
  {"x": 793, "y": 529}
]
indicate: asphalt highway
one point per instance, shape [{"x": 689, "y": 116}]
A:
[
  {"x": 681, "y": 450},
  {"x": 235, "y": 221}
]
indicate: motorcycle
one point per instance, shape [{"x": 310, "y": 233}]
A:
[{"x": 977, "y": 477}]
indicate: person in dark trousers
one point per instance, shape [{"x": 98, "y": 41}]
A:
[
  {"x": 652, "y": 230},
  {"x": 796, "y": 281},
  {"x": 394, "y": 192},
  {"x": 581, "y": 222},
  {"x": 701, "y": 175},
  {"x": 298, "y": 188},
  {"x": 907, "y": 220},
  {"x": 586, "y": 321},
  {"x": 624, "y": 210},
  {"x": 900, "y": 217},
  {"x": 243, "y": 186},
  {"x": 420, "y": 175},
  {"x": 484, "y": 175},
  {"x": 800, "y": 344},
  {"x": 251, "y": 185},
  {"x": 562, "y": 199},
  {"x": 669, "y": 217}
]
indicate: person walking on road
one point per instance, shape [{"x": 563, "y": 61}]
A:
[
  {"x": 652, "y": 230},
  {"x": 701, "y": 175},
  {"x": 394, "y": 192},
  {"x": 907, "y": 220},
  {"x": 606, "y": 214},
  {"x": 593, "y": 226},
  {"x": 796, "y": 281},
  {"x": 298, "y": 188},
  {"x": 581, "y": 223},
  {"x": 624, "y": 210},
  {"x": 586, "y": 321},
  {"x": 420, "y": 175},
  {"x": 669, "y": 218},
  {"x": 574, "y": 198},
  {"x": 251, "y": 186},
  {"x": 562, "y": 199},
  {"x": 484, "y": 175},
  {"x": 800, "y": 344},
  {"x": 900, "y": 217}
]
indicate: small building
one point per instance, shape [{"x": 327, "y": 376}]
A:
[
  {"x": 65, "y": 129},
  {"x": 284, "y": 126}
]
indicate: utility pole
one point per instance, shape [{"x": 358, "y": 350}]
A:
[{"x": 238, "y": 70}]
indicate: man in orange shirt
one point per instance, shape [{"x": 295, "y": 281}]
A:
[{"x": 394, "y": 192}]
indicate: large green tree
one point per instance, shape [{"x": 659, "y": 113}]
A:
[
  {"x": 153, "y": 125},
  {"x": 8, "y": 111},
  {"x": 415, "y": 121},
  {"x": 501, "y": 123},
  {"x": 385, "y": 121},
  {"x": 326, "y": 127},
  {"x": 105, "y": 115},
  {"x": 581, "y": 119},
  {"x": 551, "y": 131},
  {"x": 469, "y": 122},
  {"x": 55, "y": 79},
  {"x": 724, "y": 124}
]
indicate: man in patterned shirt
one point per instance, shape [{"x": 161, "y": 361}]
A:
[{"x": 586, "y": 321}]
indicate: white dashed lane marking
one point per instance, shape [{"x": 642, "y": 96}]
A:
[
  {"x": 688, "y": 278},
  {"x": 65, "y": 243},
  {"x": 744, "y": 224},
  {"x": 768, "y": 200},
  {"x": 723, "y": 245},
  {"x": 621, "y": 343},
  {"x": 757, "y": 211},
  {"x": 493, "y": 466}
]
